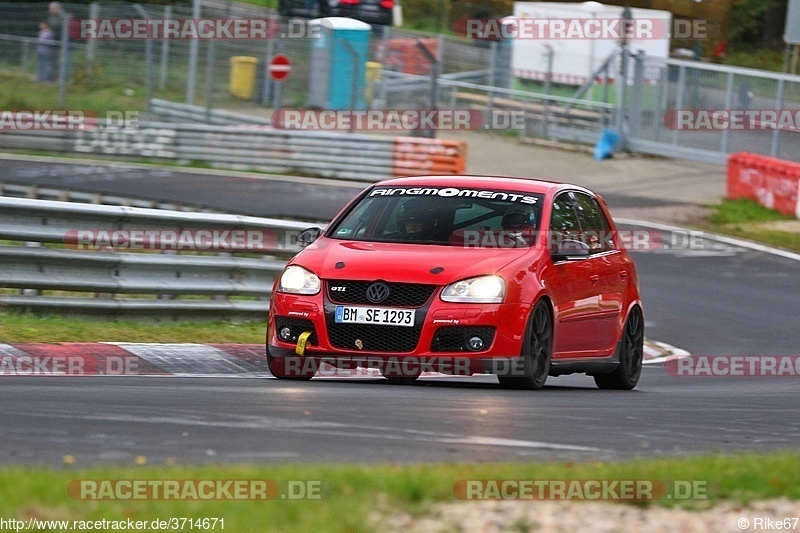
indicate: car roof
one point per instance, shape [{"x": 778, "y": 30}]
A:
[{"x": 483, "y": 182}]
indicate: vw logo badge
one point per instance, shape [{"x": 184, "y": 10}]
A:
[{"x": 378, "y": 292}]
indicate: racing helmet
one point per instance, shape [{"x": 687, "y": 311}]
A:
[
  {"x": 517, "y": 218},
  {"x": 416, "y": 219}
]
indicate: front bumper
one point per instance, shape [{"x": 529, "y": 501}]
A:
[{"x": 439, "y": 331}]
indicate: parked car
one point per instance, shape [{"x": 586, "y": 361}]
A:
[
  {"x": 375, "y": 12},
  {"x": 516, "y": 277}
]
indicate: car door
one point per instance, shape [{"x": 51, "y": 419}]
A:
[
  {"x": 608, "y": 264},
  {"x": 573, "y": 285}
]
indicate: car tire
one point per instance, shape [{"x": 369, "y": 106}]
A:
[
  {"x": 537, "y": 351},
  {"x": 278, "y": 369},
  {"x": 631, "y": 353}
]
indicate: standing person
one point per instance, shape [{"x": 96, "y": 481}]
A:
[
  {"x": 46, "y": 47},
  {"x": 58, "y": 21}
]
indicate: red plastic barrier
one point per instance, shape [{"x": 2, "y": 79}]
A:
[{"x": 771, "y": 182}]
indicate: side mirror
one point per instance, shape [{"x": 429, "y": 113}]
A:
[
  {"x": 569, "y": 249},
  {"x": 307, "y": 236}
]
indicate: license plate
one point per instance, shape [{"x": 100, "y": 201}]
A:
[{"x": 380, "y": 316}]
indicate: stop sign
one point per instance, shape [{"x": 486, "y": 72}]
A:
[{"x": 279, "y": 67}]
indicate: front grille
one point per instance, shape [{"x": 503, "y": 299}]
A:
[
  {"x": 401, "y": 295},
  {"x": 454, "y": 338},
  {"x": 373, "y": 338},
  {"x": 298, "y": 326}
]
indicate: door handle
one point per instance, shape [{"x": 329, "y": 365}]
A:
[
  {"x": 595, "y": 278},
  {"x": 623, "y": 273}
]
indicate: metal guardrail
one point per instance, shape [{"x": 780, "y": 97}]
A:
[
  {"x": 355, "y": 156},
  {"x": 146, "y": 283},
  {"x": 176, "y": 112},
  {"x": 35, "y": 192}
]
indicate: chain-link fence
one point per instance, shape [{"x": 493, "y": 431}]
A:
[{"x": 406, "y": 70}]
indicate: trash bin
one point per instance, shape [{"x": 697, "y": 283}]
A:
[
  {"x": 373, "y": 78},
  {"x": 243, "y": 76}
]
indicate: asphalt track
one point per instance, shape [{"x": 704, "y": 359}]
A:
[{"x": 721, "y": 299}]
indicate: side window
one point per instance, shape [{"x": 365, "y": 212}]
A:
[
  {"x": 594, "y": 227},
  {"x": 563, "y": 220}
]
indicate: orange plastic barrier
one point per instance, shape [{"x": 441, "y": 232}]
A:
[
  {"x": 417, "y": 156},
  {"x": 403, "y": 55},
  {"x": 771, "y": 182}
]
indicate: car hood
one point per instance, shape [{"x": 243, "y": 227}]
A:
[{"x": 411, "y": 263}]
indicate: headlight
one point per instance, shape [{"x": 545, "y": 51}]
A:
[
  {"x": 298, "y": 280},
  {"x": 483, "y": 289}
]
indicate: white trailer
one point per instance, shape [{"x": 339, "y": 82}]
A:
[{"x": 581, "y": 36}]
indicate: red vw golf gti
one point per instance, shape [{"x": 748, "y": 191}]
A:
[{"x": 462, "y": 275}]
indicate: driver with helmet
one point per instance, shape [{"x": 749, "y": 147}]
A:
[{"x": 416, "y": 220}]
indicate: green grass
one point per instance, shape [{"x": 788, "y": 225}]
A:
[
  {"x": 746, "y": 219},
  {"x": 736, "y": 211},
  {"x": 16, "y": 327},
  {"x": 759, "y": 59},
  {"x": 354, "y": 494}
]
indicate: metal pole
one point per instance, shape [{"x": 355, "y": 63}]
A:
[
  {"x": 354, "y": 80},
  {"x": 548, "y": 83},
  {"x": 622, "y": 86},
  {"x": 148, "y": 54},
  {"x": 679, "y": 99},
  {"x": 210, "y": 79},
  {"x": 775, "y": 146},
  {"x": 193, "y": 44},
  {"x": 267, "y": 85},
  {"x": 435, "y": 63},
  {"x": 795, "y": 50},
  {"x": 94, "y": 13},
  {"x": 492, "y": 67},
  {"x": 723, "y": 147},
  {"x": 277, "y": 94},
  {"x": 62, "y": 67},
  {"x": 636, "y": 93},
  {"x": 162, "y": 81}
]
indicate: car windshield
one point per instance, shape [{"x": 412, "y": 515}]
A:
[{"x": 478, "y": 218}]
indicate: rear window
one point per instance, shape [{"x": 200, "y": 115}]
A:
[{"x": 443, "y": 215}]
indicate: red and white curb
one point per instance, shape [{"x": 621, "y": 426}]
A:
[
  {"x": 656, "y": 352},
  {"x": 182, "y": 360}
]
